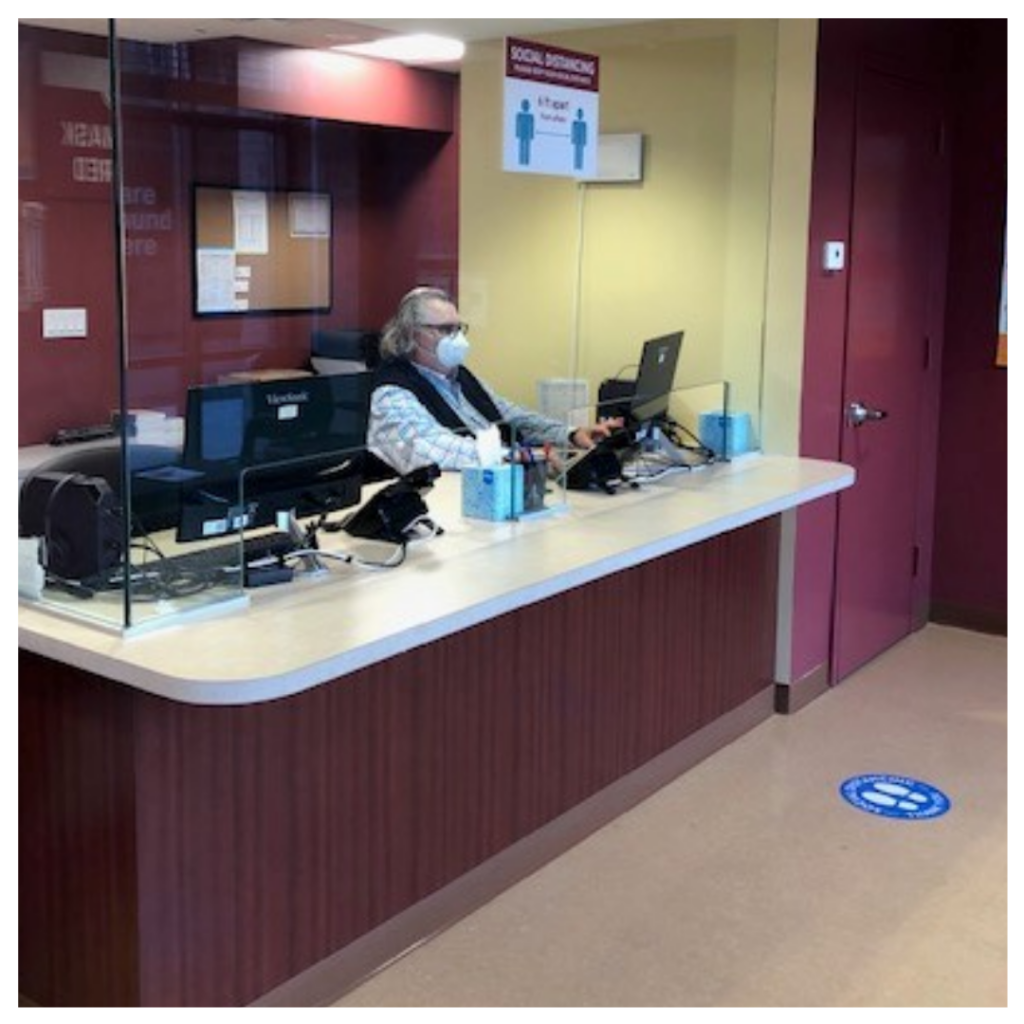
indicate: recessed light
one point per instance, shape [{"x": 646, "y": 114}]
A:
[{"x": 414, "y": 49}]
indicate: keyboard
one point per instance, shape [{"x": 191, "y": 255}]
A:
[
  {"x": 222, "y": 563},
  {"x": 76, "y": 435}
]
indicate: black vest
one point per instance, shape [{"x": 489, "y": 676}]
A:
[{"x": 402, "y": 374}]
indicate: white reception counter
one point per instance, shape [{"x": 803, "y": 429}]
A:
[{"x": 296, "y": 636}]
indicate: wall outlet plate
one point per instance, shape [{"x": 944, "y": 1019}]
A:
[{"x": 65, "y": 323}]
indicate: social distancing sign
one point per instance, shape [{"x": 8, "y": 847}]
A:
[{"x": 550, "y": 110}]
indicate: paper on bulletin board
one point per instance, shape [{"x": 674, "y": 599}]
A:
[
  {"x": 309, "y": 215},
  {"x": 251, "y": 222},
  {"x": 215, "y": 280}
]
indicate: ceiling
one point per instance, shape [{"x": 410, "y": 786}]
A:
[{"x": 319, "y": 33}]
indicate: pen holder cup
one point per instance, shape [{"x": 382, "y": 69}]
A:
[{"x": 535, "y": 485}]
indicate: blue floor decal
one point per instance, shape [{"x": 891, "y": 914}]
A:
[{"x": 894, "y": 796}]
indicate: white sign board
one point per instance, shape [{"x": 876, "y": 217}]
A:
[{"x": 551, "y": 110}]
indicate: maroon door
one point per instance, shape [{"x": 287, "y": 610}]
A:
[{"x": 895, "y": 240}]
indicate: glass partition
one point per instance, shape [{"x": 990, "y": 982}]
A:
[
  {"x": 236, "y": 212},
  {"x": 651, "y": 438},
  {"x": 674, "y": 240}
]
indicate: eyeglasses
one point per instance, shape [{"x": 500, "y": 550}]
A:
[{"x": 446, "y": 329}]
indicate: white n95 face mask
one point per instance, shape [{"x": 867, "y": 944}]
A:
[{"x": 452, "y": 350}]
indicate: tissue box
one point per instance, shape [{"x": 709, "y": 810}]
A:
[
  {"x": 494, "y": 492},
  {"x": 725, "y": 434}
]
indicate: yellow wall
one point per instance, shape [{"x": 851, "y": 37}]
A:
[
  {"x": 787, "y": 251},
  {"x": 561, "y": 279}
]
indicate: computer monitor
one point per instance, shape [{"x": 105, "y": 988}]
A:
[
  {"x": 655, "y": 379},
  {"x": 257, "y": 448}
]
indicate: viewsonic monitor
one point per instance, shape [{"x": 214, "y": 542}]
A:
[{"x": 258, "y": 448}]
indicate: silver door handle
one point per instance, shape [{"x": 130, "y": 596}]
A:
[{"x": 857, "y": 414}]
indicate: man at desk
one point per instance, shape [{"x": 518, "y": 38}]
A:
[{"x": 427, "y": 407}]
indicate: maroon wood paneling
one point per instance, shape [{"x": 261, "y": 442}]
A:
[
  {"x": 269, "y": 836},
  {"x": 77, "y": 935}
]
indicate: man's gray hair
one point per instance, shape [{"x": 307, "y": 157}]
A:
[{"x": 398, "y": 338}]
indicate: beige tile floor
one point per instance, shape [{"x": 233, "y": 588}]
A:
[{"x": 750, "y": 882}]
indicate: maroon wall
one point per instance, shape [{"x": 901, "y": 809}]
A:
[
  {"x": 66, "y": 250},
  {"x": 977, "y": 398},
  {"x": 969, "y": 583},
  {"x": 391, "y": 168}
]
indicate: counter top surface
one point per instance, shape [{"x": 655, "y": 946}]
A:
[{"x": 285, "y": 639}]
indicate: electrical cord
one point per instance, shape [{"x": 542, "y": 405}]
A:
[
  {"x": 672, "y": 429},
  {"x": 395, "y": 560},
  {"x": 420, "y": 528},
  {"x": 647, "y": 467},
  {"x": 154, "y": 576}
]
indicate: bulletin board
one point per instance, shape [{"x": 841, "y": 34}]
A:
[{"x": 260, "y": 251}]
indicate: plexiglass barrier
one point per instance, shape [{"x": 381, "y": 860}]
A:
[
  {"x": 114, "y": 554},
  {"x": 236, "y": 178},
  {"x": 650, "y": 436},
  {"x": 203, "y": 533}
]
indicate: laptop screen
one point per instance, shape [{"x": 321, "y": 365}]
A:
[{"x": 656, "y": 378}]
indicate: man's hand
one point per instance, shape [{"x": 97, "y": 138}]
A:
[{"x": 587, "y": 437}]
